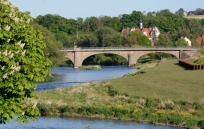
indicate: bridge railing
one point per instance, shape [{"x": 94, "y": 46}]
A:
[{"x": 133, "y": 48}]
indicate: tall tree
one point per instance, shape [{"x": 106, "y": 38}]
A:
[
  {"x": 135, "y": 17},
  {"x": 180, "y": 12},
  {"x": 126, "y": 21},
  {"x": 22, "y": 64},
  {"x": 53, "y": 47}
]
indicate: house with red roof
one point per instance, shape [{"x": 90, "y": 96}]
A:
[
  {"x": 200, "y": 40},
  {"x": 149, "y": 32}
]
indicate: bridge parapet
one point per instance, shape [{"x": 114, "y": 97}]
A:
[{"x": 132, "y": 48}]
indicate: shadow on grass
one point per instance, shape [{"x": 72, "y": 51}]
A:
[
  {"x": 184, "y": 67},
  {"x": 144, "y": 60}
]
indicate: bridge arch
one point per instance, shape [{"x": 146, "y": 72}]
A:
[
  {"x": 85, "y": 55},
  {"x": 174, "y": 53},
  {"x": 70, "y": 55}
]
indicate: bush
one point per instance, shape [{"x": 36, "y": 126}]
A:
[
  {"x": 63, "y": 109},
  {"x": 150, "y": 103},
  {"x": 191, "y": 123},
  {"x": 112, "y": 91},
  {"x": 201, "y": 123}
]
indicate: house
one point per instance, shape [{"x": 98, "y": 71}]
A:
[
  {"x": 200, "y": 40},
  {"x": 188, "y": 41},
  {"x": 151, "y": 33},
  {"x": 190, "y": 13},
  {"x": 126, "y": 31},
  {"x": 185, "y": 13}
]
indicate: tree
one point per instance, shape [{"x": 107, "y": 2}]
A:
[
  {"x": 126, "y": 22},
  {"x": 180, "y": 12},
  {"x": 53, "y": 47},
  {"x": 22, "y": 64},
  {"x": 111, "y": 22},
  {"x": 91, "y": 24},
  {"x": 135, "y": 17},
  {"x": 195, "y": 27},
  {"x": 163, "y": 12},
  {"x": 180, "y": 42},
  {"x": 107, "y": 37},
  {"x": 164, "y": 40},
  {"x": 138, "y": 38}
]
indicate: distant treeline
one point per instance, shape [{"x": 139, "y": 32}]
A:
[{"x": 105, "y": 31}]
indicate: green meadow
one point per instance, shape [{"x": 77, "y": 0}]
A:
[
  {"x": 159, "y": 93},
  {"x": 166, "y": 80}
]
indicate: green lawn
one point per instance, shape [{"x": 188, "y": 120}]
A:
[{"x": 167, "y": 80}]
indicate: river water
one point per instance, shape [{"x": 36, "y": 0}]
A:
[
  {"x": 66, "y": 77},
  {"x": 81, "y": 123}
]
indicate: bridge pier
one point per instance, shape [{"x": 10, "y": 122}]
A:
[
  {"x": 131, "y": 59},
  {"x": 77, "y": 60}
]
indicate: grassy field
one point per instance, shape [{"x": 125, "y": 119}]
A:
[
  {"x": 167, "y": 80},
  {"x": 195, "y": 16},
  {"x": 161, "y": 93}
]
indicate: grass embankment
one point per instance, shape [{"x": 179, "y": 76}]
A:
[
  {"x": 167, "y": 80},
  {"x": 165, "y": 93},
  {"x": 195, "y": 16}
]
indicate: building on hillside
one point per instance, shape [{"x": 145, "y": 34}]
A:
[
  {"x": 188, "y": 41},
  {"x": 151, "y": 33},
  {"x": 190, "y": 13},
  {"x": 200, "y": 40},
  {"x": 185, "y": 13}
]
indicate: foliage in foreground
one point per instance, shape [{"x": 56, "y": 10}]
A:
[
  {"x": 104, "y": 101},
  {"x": 22, "y": 63}
]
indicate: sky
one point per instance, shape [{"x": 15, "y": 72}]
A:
[{"x": 87, "y": 8}]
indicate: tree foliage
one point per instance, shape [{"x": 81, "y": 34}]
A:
[
  {"x": 107, "y": 37},
  {"x": 173, "y": 25},
  {"x": 22, "y": 63},
  {"x": 53, "y": 47},
  {"x": 139, "y": 39}
]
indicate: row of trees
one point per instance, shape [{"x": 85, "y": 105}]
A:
[{"x": 105, "y": 31}]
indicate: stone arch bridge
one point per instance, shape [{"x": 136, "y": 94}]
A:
[{"x": 78, "y": 55}]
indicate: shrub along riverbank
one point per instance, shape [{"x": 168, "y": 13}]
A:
[
  {"x": 164, "y": 94},
  {"x": 90, "y": 67}
]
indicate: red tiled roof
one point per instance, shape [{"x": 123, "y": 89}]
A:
[
  {"x": 147, "y": 32},
  {"x": 200, "y": 40},
  {"x": 126, "y": 31}
]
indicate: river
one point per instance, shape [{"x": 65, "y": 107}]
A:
[{"x": 66, "y": 77}]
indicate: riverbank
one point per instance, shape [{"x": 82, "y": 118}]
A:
[
  {"x": 155, "y": 100},
  {"x": 90, "y": 67}
]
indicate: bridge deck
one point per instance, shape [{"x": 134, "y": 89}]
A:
[{"x": 133, "y": 49}]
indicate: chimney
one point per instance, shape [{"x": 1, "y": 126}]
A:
[{"x": 141, "y": 25}]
